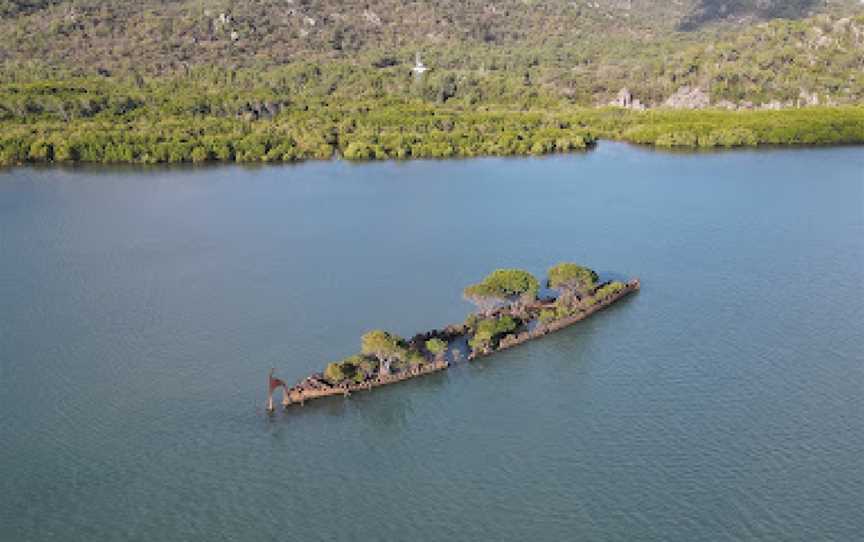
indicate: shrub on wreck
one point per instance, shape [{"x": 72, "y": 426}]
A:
[
  {"x": 547, "y": 315},
  {"x": 609, "y": 289},
  {"x": 565, "y": 306},
  {"x": 334, "y": 373},
  {"x": 437, "y": 347},
  {"x": 355, "y": 368},
  {"x": 489, "y": 332}
]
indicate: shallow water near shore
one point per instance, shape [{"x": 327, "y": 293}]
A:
[{"x": 143, "y": 307}]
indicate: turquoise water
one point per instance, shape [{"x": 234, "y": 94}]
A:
[{"x": 142, "y": 308}]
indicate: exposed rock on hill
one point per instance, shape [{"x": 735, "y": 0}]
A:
[
  {"x": 688, "y": 98},
  {"x": 626, "y": 100},
  {"x": 582, "y": 51}
]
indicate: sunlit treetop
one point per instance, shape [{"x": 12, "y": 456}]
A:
[
  {"x": 572, "y": 277},
  {"x": 505, "y": 285}
]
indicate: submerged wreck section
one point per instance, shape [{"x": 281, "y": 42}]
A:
[{"x": 509, "y": 313}]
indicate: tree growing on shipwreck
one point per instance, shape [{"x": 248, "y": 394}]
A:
[
  {"x": 385, "y": 347},
  {"x": 572, "y": 281},
  {"x": 522, "y": 318},
  {"x": 501, "y": 288},
  {"x": 437, "y": 347},
  {"x": 490, "y": 330},
  {"x": 357, "y": 368}
]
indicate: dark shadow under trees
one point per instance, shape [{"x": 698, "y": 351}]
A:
[{"x": 711, "y": 11}]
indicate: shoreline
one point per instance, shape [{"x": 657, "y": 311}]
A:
[
  {"x": 434, "y": 133},
  {"x": 99, "y": 167}
]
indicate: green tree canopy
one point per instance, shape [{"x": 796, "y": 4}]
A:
[
  {"x": 386, "y": 347},
  {"x": 572, "y": 278},
  {"x": 382, "y": 345},
  {"x": 501, "y": 287},
  {"x": 334, "y": 373}
]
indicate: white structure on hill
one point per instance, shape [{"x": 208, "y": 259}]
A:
[{"x": 419, "y": 68}]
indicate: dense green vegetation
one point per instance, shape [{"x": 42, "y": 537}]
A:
[
  {"x": 106, "y": 81},
  {"x": 205, "y": 118},
  {"x": 578, "y": 289},
  {"x": 516, "y": 309},
  {"x": 405, "y": 130},
  {"x": 747, "y": 128},
  {"x": 488, "y": 331},
  {"x": 354, "y": 368},
  {"x": 381, "y": 354},
  {"x": 580, "y": 50},
  {"x": 388, "y": 350}
]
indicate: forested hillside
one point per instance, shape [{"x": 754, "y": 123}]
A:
[
  {"x": 582, "y": 50},
  {"x": 174, "y": 80}
]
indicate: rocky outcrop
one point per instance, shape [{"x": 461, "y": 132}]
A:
[
  {"x": 260, "y": 110},
  {"x": 774, "y": 105},
  {"x": 688, "y": 98},
  {"x": 808, "y": 99},
  {"x": 626, "y": 100},
  {"x": 371, "y": 17},
  {"x": 726, "y": 104}
]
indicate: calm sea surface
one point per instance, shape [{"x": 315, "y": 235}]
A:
[{"x": 140, "y": 310}]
